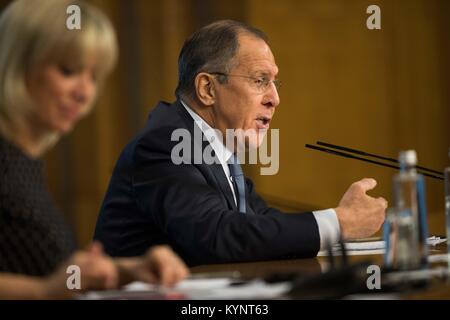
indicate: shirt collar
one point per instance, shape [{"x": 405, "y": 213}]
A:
[{"x": 222, "y": 152}]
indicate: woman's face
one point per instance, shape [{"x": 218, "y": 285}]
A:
[{"x": 62, "y": 95}]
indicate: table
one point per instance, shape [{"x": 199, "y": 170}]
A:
[{"x": 437, "y": 289}]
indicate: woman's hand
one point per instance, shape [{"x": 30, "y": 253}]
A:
[
  {"x": 160, "y": 265},
  {"x": 97, "y": 272}
]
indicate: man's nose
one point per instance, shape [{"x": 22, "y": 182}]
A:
[{"x": 271, "y": 98}]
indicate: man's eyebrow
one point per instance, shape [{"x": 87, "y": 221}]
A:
[{"x": 262, "y": 73}]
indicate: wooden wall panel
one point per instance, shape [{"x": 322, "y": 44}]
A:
[{"x": 379, "y": 91}]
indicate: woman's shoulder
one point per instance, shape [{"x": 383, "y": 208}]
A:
[{"x": 19, "y": 173}]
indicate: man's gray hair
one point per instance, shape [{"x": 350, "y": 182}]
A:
[{"x": 210, "y": 49}]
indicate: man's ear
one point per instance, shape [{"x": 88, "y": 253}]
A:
[{"x": 204, "y": 88}]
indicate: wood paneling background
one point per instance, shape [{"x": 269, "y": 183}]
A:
[{"x": 377, "y": 90}]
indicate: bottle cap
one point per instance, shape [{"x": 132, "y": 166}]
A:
[{"x": 408, "y": 157}]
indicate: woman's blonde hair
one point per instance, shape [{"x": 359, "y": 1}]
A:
[{"x": 36, "y": 32}]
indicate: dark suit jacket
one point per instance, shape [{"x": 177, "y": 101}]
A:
[{"x": 151, "y": 200}]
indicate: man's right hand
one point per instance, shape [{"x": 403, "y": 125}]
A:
[{"x": 359, "y": 214}]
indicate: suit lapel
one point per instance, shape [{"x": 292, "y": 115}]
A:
[{"x": 214, "y": 169}]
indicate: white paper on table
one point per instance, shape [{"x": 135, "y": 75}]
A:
[
  {"x": 258, "y": 289},
  {"x": 197, "y": 289},
  {"x": 185, "y": 285}
]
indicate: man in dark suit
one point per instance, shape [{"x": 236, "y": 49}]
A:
[{"x": 206, "y": 210}]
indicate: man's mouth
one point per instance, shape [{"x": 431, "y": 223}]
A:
[{"x": 263, "y": 122}]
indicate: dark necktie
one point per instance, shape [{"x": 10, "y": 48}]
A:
[{"x": 238, "y": 181}]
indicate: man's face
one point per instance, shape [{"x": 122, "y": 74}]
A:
[{"x": 248, "y": 98}]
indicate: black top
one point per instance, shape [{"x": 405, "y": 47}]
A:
[{"x": 34, "y": 239}]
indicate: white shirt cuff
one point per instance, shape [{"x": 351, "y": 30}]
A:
[{"x": 329, "y": 229}]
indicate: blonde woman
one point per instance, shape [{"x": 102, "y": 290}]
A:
[{"x": 49, "y": 79}]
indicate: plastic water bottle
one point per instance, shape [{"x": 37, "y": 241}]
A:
[{"x": 411, "y": 214}]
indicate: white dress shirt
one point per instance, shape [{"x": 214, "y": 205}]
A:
[{"x": 327, "y": 221}]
